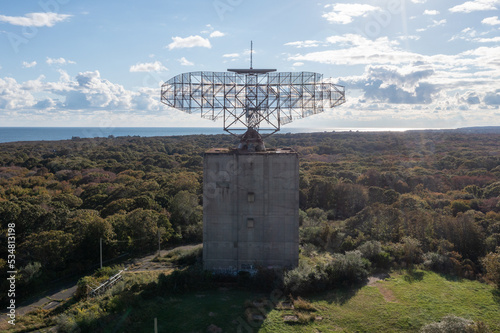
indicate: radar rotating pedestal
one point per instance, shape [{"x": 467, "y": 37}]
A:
[{"x": 253, "y": 103}]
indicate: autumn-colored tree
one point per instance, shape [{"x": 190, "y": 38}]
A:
[
  {"x": 50, "y": 248},
  {"x": 491, "y": 263}
]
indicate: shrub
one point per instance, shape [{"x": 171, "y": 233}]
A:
[
  {"x": 453, "y": 324},
  {"x": 411, "y": 250},
  {"x": 303, "y": 305},
  {"x": 83, "y": 286},
  {"x": 66, "y": 324},
  {"x": 348, "y": 268},
  {"x": 106, "y": 272},
  {"x": 436, "y": 262},
  {"x": 370, "y": 249},
  {"x": 31, "y": 271},
  {"x": 330, "y": 272},
  {"x": 305, "y": 278},
  {"x": 491, "y": 263}
]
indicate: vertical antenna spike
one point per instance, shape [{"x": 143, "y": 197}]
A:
[{"x": 251, "y": 54}]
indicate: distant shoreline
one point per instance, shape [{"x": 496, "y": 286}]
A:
[{"x": 23, "y": 134}]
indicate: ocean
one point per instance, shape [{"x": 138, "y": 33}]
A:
[{"x": 12, "y": 134}]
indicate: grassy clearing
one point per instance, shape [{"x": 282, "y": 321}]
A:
[{"x": 403, "y": 303}]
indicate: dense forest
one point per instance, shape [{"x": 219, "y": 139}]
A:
[{"x": 430, "y": 198}]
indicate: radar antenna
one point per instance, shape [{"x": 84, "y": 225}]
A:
[{"x": 253, "y": 103}]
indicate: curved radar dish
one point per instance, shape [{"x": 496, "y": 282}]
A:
[{"x": 254, "y": 103}]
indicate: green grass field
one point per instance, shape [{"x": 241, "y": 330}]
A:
[
  {"x": 398, "y": 304},
  {"x": 401, "y": 303}
]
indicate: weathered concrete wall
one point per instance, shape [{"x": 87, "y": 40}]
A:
[{"x": 250, "y": 209}]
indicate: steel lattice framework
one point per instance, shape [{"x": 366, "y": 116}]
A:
[{"x": 252, "y": 99}]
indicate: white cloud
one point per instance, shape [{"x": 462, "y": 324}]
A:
[
  {"x": 34, "y": 85},
  {"x": 434, "y": 24},
  {"x": 409, "y": 37},
  {"x": 395, "y": 75},
  {"x": 59, "y": 61},
  {"x": 419, "y": 1},
  {"x": 491, "y": 20},
  {"x": 185, "y": 62},
  {"x": 475, "y": 5},
  {"x": 431, "y": 12},
  {"x": 304, "y": 43},
  {"x": 231, "y": 55},
  {"x": 492, "y": 98},
  {"x": 35, "y": 19},
  {"x": 438, "y": 23},
  {"x": 87, "y": 92},
  {"x": 210, "y": 29},
  {"x": 489, "y": 40},
  {"x": 467, "y": 34},
  {"x": 191, "y": 41},
  {"x": 357, "y": 50},
  {"x": 13, "y": 96},
  {"x": 91, "y": 91},
  {"x": 343, "y": 13},
  {"x": 216, "y": 33},
  {"x": 29, "y": 64},
  {"x": 470, "y": 35},
  {"x": 148, "y": 67},
  {"x": 469, "y": 97},
  {"x": 298, "y": 64}
]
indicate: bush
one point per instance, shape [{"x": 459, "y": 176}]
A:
[
  {"x": 339, "y": 269},
  {"x": 66, "y": 324},
  {"x": 436, "y": 262},
  {"x": 491, "y": 263},
  {"x": 453, "y": 324},
  {"x": 370, "y": 249},
  {"x": 305, "y": 278},
  {"x": 303, "y": 305},
  {"x": 348, "y": 268},
  {"x": 106, "y": 272},
  {"x": 411, "y": 251},
  {"x": 382, "y": 260},
  {"x": 83, "y": 286}
]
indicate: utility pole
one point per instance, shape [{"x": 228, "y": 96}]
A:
[
  {"x": 156, "y": 325},
  {"x": 100, "y": 248}
]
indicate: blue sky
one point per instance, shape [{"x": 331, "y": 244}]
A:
[{"x": 405, "y": 63}]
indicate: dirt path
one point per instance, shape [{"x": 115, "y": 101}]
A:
[
  {"x": 386, "y": 293},
  {"x": 51, "y": 299}
]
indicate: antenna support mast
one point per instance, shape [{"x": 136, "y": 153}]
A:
[{"x": 251, "y": 54}]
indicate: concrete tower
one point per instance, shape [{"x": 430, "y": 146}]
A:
[{"x": 250, "y": 209}]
